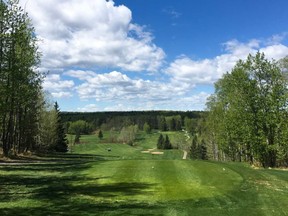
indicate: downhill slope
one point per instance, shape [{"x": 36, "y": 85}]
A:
[{"x": 94, "y": 181}]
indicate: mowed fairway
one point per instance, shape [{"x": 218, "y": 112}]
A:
[{"x": 94, "y": 181}]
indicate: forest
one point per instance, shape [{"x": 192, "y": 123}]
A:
[{"x": 28, "y": 122}]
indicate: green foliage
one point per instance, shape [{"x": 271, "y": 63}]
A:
[
  {"x": 61, "y": 144},
  {"x": 20, "y": 83},
  {"x": 160, "y": 142},
  {"x": 173, "y": 123},
  {"x": 164, "y": 143},
  {"x": 77, "y": 138},
  {"x": 190, "y": 125},
  {"x": 100, "y": 135},
  {"x": 248, "y": 111},
  {"x": 147, "y": 128},
  {"x": 162, "y": 125},
  {"x": 47, "y": 127},
  {"x": 167, "y": 143},
  {"x": 194, "y": 148},
  {"x": 52, "y": 136},
  {"x": 118, "y": 120},
  {"x": 80, "y": 127},
  {"x": 128, "y": 134}
]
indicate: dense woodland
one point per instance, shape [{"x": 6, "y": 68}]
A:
[
  {"x": 28, "y": 122},
  {"x": 162, "y": 120},
  {"x": 246, "y": 118}
]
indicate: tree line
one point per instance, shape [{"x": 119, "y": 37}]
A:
[
  {"x": 146, "y": 120},
  {"x": 23, "y": 111}
]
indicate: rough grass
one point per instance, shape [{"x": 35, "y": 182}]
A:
[{"x": 124, "y": 181}]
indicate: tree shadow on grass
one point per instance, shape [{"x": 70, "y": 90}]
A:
[
  {"x": 60, "y": 189},
  {"x": 62, "y": 196},
  {"x": 86, "y": 208}
]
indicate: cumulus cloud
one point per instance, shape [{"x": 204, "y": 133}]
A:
[
  {"x": 100, "y": 34},
  {"x": 57, "y": 87},
  {"x": 118, "y": 86},
  {"x": 91, "y": 33},
  {"x": 207, "y": 71},
  {"x": 179, "y": 91}
]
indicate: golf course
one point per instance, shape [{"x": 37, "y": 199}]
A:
[{"x": 117, "y": 179}]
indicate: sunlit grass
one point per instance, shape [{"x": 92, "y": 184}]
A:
[{"x": 94, "y": 181}]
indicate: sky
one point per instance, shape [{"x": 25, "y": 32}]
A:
[{"x": 124, "y": 55}]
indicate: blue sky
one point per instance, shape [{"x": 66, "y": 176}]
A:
[{"x": 149, "y": 54}]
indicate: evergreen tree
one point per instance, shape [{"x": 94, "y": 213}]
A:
[
  {"x": 77, "y": 138},
  {"x": 162, "y": 125},
  {"x": 100, "y": 135},
  {"x": 194, "y": 150},
  {"x": 160, "y": 142},
  {"x": 61, "y": 141},
  {"x": 203, "y": 151},
  {"x": 167, "y": 143}
]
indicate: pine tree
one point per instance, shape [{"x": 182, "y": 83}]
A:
[
  {"x": 194, "y": 148},
  {"x": 77, "y": 138},
  {"x": 100, "y": 135},
  {"x": 61, "y": 141},
  {"x": 203, "y": 151},
  {"x": 160, "y": 143},
  {"x": 167, "y": 143}
]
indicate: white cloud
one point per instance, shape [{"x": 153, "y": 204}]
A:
[
  {"x": 276, "y": 39},
  {"x": 91, "y": 33},
  {"x": 195, "y": 101},
  {"x": 96, "y": 33},
  {"x": 58, "y": 88},
  {"x": 207, "y": 71},
  {"x": 62, "y": 94},
  {"x": 276, "y": 51},
  {"x": 175, "y": 92},
  {"x": 118, "y": 88}
]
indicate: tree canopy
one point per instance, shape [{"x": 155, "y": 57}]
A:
[
  {"x": 20, "y": 83},
  {"x": 249, "y": 112}
]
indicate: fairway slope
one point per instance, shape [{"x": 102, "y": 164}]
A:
[{"x": 124, "y": 181}]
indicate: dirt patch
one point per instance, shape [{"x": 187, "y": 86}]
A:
[
  {"x": 145, "y": 152},
  {"x": 185, "y": 155},
  {"x": 157, "y": 153},
  {"x": 151, "y": 151}
]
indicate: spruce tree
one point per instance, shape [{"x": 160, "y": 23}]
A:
[
  {"x": 167, "y": 143},
  {"x": 194, "y": 148},
  {"x": 100, "y": 135},
  {"x": 61, "y": 141},
  {"x": 160, "y": 143}
]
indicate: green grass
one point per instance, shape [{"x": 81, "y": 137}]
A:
[{"x": 124, "y": 181}]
